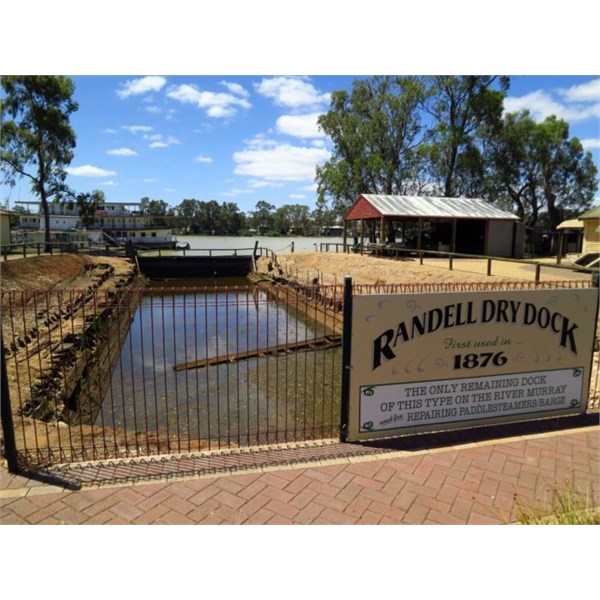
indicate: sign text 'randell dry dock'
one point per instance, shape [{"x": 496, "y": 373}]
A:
[{"x": 424, "y": 362}]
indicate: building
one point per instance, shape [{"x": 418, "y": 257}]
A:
[
  {"x": 4, "y": 228},
  {"x": 591, "y": 230},
  {"x": 460, "y": 225}
]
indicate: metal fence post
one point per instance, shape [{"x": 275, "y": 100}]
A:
[
  {"x": 346, "y": 355},
  {"x": 8, "y": 430}
]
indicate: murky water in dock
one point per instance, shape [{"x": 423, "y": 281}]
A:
[{"x": 262, "y": 399}]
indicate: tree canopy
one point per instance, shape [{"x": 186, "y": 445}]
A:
[
  {"x": 535, "y": 167},
  {"x": 37, "y": 139},
  {"x": 447, "y": 136}
]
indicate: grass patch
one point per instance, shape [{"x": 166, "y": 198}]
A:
[{"x": 568, "y": 506}]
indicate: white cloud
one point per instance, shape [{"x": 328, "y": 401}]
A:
[
  {"x": 137, "y": 128},
  {"x": 236, "y": 88},
  {"x": 217, "y": 105},
  {"x": 203, "y": 159},
  {"x": 585, "y": 92},
  {"x": 272, "y": 161},
  {"x": 154, "y": 109},
  {"x": 109, "y": 131},
  {"x": 158, "y": 141},
  {"x": 149, "y": 180},
  {"x": 302, "y": 126},
  {"x": 263, "y": 184},
  {"x": 237, "y": 192},
  {"x": 122, "y": 152},
  {"x": 108, "y": 183},
  {"x": 541, "y": 105},
  {"x": 136, "y": 87},
  {"x": 293, "y": 92},
  {"x": 590, "y": 143},
  {"x": 89, "y": 171}
]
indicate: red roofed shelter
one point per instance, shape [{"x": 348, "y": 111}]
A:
[{"x": 460, "y": 225}]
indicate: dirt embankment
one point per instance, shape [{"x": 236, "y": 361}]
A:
[
  {"x": 331, "y": 268},
  {"x": 50, "y": 307},
  {"x": 67, "y": 271}
]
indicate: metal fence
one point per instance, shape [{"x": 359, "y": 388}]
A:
[
  {"x": 95, "y": 376},
  {"x": 162, "y": 371}
]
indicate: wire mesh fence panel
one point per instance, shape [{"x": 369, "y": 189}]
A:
[
  {"x": 144, "y": 372},
  {"x": 158, "y": 371}
]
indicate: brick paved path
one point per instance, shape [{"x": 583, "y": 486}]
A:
[{"x": 475, "y": 483}]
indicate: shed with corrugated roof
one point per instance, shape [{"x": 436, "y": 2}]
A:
[{"x": 461, "y": 225}]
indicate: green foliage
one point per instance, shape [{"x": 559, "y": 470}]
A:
[
  {"x": 375, "y": 131},
  {"x": 208, "y": 218},
  {"x": 568, "y": 506},
  {"x": 463, "y": 109},
  {"x": 535, "y": 167},
  {"x": 37, "y": 139}
]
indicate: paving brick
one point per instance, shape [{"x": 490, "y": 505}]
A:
[
  {"x": 126, "y": 511},
  {"x": 435, "y": 517},
  {"x": 303, "y": 498},
  {"x": 404, "y": 499},
  {"x": 416, "y": 514},
  {"x": 492, "y": 482},
  {"x": 68, "y": 516},
  {"x": 228, "y": 515},
  {"x": 308, "y": 514},
  {"x": 369, "y": 518},
  {"x": 335, "y": 517},
  {"x": 229, "y": 499},
  {"x": 385, "y": 510},
  {"x": 173, "y": 518},
  {"x": 261, "y": 517},
  {"x": 298, "y": 484},
  {"x": 323, "y": 488},
  {"x": 477, "y": 518},
  {"x": 177, "y": 504},
  {"x": 461, "y": 509},
  {"x": 283, "y": 509},
  {"x": 150, "y": 516},
  {"x": 203, "y": 495}
]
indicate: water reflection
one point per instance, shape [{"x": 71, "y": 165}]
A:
[{"x": 247, "y": 401}]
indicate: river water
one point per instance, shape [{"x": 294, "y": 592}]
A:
[{"x": 276, "y": 244}]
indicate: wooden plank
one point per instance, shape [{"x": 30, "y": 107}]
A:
[{"x": 312, "y": 344}]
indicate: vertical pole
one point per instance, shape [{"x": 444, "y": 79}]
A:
[
  {"x": 346, "y": 356},
  {"x": 8, "y": 430}
]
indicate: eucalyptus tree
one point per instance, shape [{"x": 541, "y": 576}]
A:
[
  {"x": 535, "y": 167},
  {"x": 375, "y": 131},
  {"x": 37, "y": 140},
  {"x": 463, "y": 111}
]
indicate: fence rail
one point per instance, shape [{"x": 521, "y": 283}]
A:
[
  {"x": 94, "y": 375},
  {"x": 395, "y": 253}
]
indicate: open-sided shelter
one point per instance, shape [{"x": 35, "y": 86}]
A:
[{"x": 461, "y": 225}]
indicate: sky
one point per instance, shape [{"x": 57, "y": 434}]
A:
[
  {"x": 221, "y": 103},
  {"x": 243, "y": 139}
]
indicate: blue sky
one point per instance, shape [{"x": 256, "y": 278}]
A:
[
  {"x": 244, "y": 138},
  {"x": 173, "y": 103}
]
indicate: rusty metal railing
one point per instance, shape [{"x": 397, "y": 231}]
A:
[{"x": 95, "y": 376}]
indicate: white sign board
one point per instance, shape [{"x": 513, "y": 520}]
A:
[{"x": 426, "y": 362}]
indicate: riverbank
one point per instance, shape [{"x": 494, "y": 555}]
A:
[{"x": 331, "y": 268}]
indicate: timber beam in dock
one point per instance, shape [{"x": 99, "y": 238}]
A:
[{"x": 326, "y": 342}]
